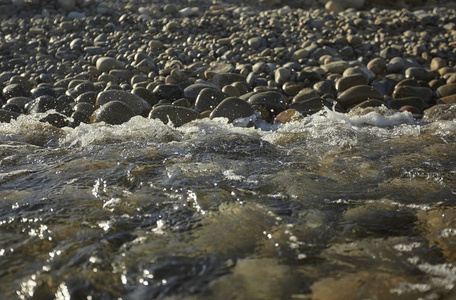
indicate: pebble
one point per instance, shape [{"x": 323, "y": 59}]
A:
[
  {"x": 349, "y": 81},
  {"x": 208, "y": 99},
  {"x": 408, "y": 101},
  {"x": 447, "y": 100},
  {"x": 113, "y": 112},
  {"x": 6, "y": 116},
  {"x": 404, "y": 91},
  {"x": 274, "y": 102},
  {"x": 177, "y": 115},
  {"x": 358, "y": 94},
  {"x": 288, "y": 115},
  {"x": 311, "y": 106},
  {"x": 137, "y": 105},
  {"x": 335, "y": 67},
  {"x": 106, "y": 64},
  {"x": 446, "y": 90},
  {"x": 232, "y": 108},
  {"x": 169, "y": 91}
]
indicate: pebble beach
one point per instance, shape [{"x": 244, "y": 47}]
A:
[
  {"x": 107, "y": 62},
  {"x": 270, "y": 149}
]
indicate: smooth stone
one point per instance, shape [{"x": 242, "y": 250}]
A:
[
  {"x": 395, "y": 65},
  {"x": 6, "y": 115},
  {"x": 75, "y": 15},
  {"x": 305, "y": 95},
  {"x": 12, "y": 107},
  {"x": 337, "y": 67},
  {"x": 222, "y": 79},
  {"x": 68, "y": 5},
  {"x": 334, "y": 6},
  {"x": 146, "y": 94},
  {"x": 323, "y": 87},
  {"x": 184, "y": 102},
  {"x": 208, "y": 99},
  {"x": 358, "y": 94},
  {"x": 288, "y": 115},
  {"x": 79, "y": 117},
  {"x": 440, "y": 112},
  {"x": 447, "y": 100},
  {"x": 311, "y": 106},
  {"x": 377, "y": 65},
  {"x": 19, "y": 101},
  {"x": 282, "y": 75},
  {"x": 14, "y": 90},
  {"x": 106, "y": 64},
  {"x": 370, "y": 103},
  {"x": 85, "y": 108},
  {"x": 169, "y": 91},
  {"x": 384, "y": 86},
  {"x": 412, "y": 101},
  {"x": 404, "y": 91},
  {"x": 300, "y": 54},
  {"x": 42, "y": 91},
  {"x": 232, "y": 108},
  {"x": 189, "y": 12},
  {"x": 113, "y": 112},
  {"x": 354, "y": 39},
  {"x": 292, "y": 89},
  {"x": 88, "y": 97},
  {"x": 231, "y": 91},
  {"x": 408, "y": 82},
  {"x": 274, "y": 101},
  {"x": 193, "y": 90},
  {"x": 346, "y": 82},
  {"x": 446, "y": 90},
  {"x": 437, "y": 63},
  {"x": 56, "y": 119},
  {"x": 411, "y": 109},
  {"x": 417, "y": 73},
  {"x": 177, "y": 115},
  {"x": 255, "y": 42},
  {"x": 44, "y": 103},
  {"x": 138, "y": 105}
]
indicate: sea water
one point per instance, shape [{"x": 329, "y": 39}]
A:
[{"x": 334, "y": 205}]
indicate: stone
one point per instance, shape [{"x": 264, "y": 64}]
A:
[
  {"x": 208, "y": 99},
  {"x": 275, "y": 102},
  {"x": 410, "y": 101},
  {"x": 113, "y": 112},
  {"x": 417, "y": 73},
  {"x": 19, "y": 101},
  {"x": 177, "y": 115},
  {"x": 404, "y": 91},
  {"x": 447, "y": 100},
  {"x": 14, "y": 90},
  {"x": 106, "y": 64},
  {"x": 324, "y": 87},
  {"x": 440, "y": 112},
  {"x": 354, "y": 39},
  {"x": 222, "y": 79},
  {"x": 334, "y": 6},
  {"x": 446, "y": 90},
  {"x": 137, "y": 105},
  {"x": 288, "y": 115},
  {"x": 347, "y": 82},
  {"x": 300, "y": 54},
  {"x": 89, "y": 97},
  {"x": 437, "y": 63},
  {"x": 337, "y": 67},
  {"x": 169, "y": 91},
  {"x": 189, "y": 12},
  {"x": 313, "y": 105},
  {"x": 6, "y": 116},
  {"x": 305, "y": 95},
  {"x": 231, "y": 91},
  {"x": 146, "y": 94},
  {"x": 358, "y": 94},
  {"x": 44, "y": 103},
  {"x": 282, "y": 75},
  {"x": 193, "y": 90},
  {"x": 232, "y": 108},
  {"x": 67, "y": 5},
  {"x": 411, "y": 109},
  {"x": 377, "y": 65},
  {"x": 85, "y": 108},
  {"x": 370, "y": 103}
]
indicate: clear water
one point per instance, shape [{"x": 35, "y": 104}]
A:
[{"x": 331, "y": 207}]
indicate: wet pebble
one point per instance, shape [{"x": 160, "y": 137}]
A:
[
  {"x": 232, "y": 108},
  {"x": 177, "y": 115}
]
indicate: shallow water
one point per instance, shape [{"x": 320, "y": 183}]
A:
[{"x": 331, "y": 207}]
